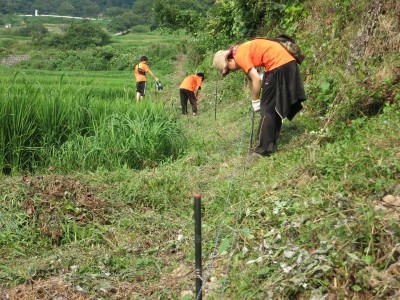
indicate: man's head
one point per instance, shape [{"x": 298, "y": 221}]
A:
[
  {"x": 144, "y": 59},
  {"x": 220, "y": 62},
  {"x": 224, "y": 61},
  {"x": 201, "y": 75}
]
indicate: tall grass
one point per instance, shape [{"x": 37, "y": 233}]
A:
[
  {"x": 140, "y": 137},
  {"x": 52, "y": 121}
]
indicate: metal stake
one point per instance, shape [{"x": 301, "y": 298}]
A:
[
  {"x": 197, "y": 231},
  {"x": 252, "y": 129},
  {"x": 215, "y": 109}
]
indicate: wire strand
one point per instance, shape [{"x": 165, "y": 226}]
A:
[{"x": 227, "y": 202}]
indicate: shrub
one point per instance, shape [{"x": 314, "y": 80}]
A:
[
  {"x": 32, "y": 29},
  {"x": 81, "y": 36},
  {"x": 140, "y": 28}
]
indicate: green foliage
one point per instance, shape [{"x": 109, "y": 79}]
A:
[
  {"x": 114, "y": 11},
  {"x": 32, "y": 29},
  {"x": 162, "y": 57},
  {"x": 228, "y": 22},
  {"x": 93, "y": 59},
  {"x": 140, "y": 28},
  {"x": 184, "y": 14},
  {"x": 88, "y": 8},
  {"x": 80, "y": 36},
  {"x": 339, "y": 96},
  {"x": 61, "y": 125},
  {"x": 220, "y": 22},
  {"x": 146, "y": 136},
  {"x": 126, "y": 21},
  {"x": 7, "y": 43}
]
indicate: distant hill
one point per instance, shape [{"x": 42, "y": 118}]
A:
[{"x": 72, "y": 7}]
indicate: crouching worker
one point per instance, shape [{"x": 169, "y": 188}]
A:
[
  {"x": 189, "y": 90},
  {"x": 282, "y": 86}
]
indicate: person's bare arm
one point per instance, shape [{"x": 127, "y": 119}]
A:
[
  {"x": 254, "y": 83},
  {"x": 151, "y": 73}
]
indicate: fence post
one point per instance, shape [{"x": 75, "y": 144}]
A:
[
  {"x": 197, "y": 232},
  {"x": 216, "y": 97}
]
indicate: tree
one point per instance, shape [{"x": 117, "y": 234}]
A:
[
  {"x": 176, "y": 15},
  {"x": 3, "y": 7},
  {"x": 89, "y": 8},
  {"x": 114, "y": 11},
  {"x": 81, "y": 36},
  {"x": 126, "y": 21},
  {"x": 143, "y": 8},
  {"x": 43, "y": 6},
  {"x": 32, "y": 29},
  {"x": 66, "y": 8}
]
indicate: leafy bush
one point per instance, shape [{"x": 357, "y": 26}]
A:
[
  {"x": 7, "y": 43},
  {"x": 32, "y": 29},
  {"x": 125, "y": 21},
  {"x": 163, "y": 57},
  {"x": 80, "y": 36},
  {"x": 93, "y": 59},
  {"x": 140, "y": 28}
]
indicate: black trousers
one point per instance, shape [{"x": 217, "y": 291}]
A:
[
  {"x": 282, "y": 97},
  {"x": 186, "y": 95},
  {"x": 141, "y": 88},
  {"x": 270, "y": 122}
]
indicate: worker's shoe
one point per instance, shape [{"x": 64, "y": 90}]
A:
[{"x": 254, "y": 156}]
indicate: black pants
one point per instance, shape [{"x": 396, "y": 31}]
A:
[
  {"x": 270, "y": 122},
  {"x": 282, "y": 97},
  {"x": 141, "y": 88},
  {"x": 186, "y": 95}
]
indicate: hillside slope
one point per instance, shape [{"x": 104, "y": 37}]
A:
[{"x": 317, "y": 220}]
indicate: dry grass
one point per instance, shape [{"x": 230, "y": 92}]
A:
[
  {"x": 44, "y": 289},
  {"x": 386, "y": 35}
]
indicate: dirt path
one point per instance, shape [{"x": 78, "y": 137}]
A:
[
  {"x": 179, "y": 71},
  {"x": 13, "y": 60}
]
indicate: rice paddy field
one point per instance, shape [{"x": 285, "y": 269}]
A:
[
  {"x": 46, "y": 116},
  {"x": 55, "y": 103}
]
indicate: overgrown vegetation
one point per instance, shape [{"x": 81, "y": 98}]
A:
[
  {"x": 76, "y": 126},
  {"x": 317, "y": 220}
]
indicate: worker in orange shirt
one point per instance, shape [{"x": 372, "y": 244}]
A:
[
  {"x": 189, "y": 90},
  {"x": 140, "y": 75},
  {"x": 281, "y": 84}
]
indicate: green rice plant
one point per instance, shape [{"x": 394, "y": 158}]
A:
[
  {"x": 47, "y": 115},
  {"x": 142, "y": 136},
  {"x": 19, "y": 131}
]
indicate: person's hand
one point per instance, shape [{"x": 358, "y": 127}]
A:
[
  {"x": 156, "y": 79},
  {"x": 256, "y": 104}
]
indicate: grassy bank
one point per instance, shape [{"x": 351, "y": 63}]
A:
[{"x": 316, "y": 220}]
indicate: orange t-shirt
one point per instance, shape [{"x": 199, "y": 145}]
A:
[
  {"x": 261, "y": 53},
  {"x": 191, "y": 83},
  {"x": 139, "y": 77}
]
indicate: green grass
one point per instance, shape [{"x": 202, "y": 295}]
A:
[
  {"x": 304, "y": 198},
  {"x": 309, "y": 220},
  {"x": 82, "y": 124}
]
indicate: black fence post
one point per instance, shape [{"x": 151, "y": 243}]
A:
[
  {"x": 252, "y": 129},
  {"x": 197, "y": 232}
]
